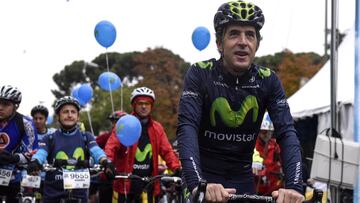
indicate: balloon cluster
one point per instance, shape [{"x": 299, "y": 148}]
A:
[{"x": 83, "y": 93}]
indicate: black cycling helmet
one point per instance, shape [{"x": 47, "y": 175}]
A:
[
  {"x": 66, "y": 100},
  {"x": 116, "y": 115},
  {"x": 10, "y": 93},
  {"x": 238, "y": 12},
  {"x": 40, "y": 109}
]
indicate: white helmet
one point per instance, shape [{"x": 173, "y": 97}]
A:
[
  {"x": 267, "y": 124},
  {"x": 142, "y": 91},
  {"x": 10, "y": 93}
]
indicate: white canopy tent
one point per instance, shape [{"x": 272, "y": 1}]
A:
[{"x": 314, "y": 97}]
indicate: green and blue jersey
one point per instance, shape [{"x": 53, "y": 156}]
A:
[{"x": 219, "y": 120}]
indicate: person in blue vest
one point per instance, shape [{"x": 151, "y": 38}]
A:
[
  {"x": 18, "y": 138},
  {"x": 39, "y": 114},
  {"x": 67, "y": 142}
]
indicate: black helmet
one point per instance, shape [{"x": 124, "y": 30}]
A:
[
  {"x": 40, "y": 109},
  {"x": 66, "y": 100},
  {"x": 10, "y": 93},
  {"x": 116, "y": 115},
  {"x": 238, "y": 11}
]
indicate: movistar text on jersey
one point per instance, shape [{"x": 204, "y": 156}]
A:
[{"x": 230, "y": 137}]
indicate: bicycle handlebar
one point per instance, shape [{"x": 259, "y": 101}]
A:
[
  {"x": 72, "y": 162},
  {"x": 252, "y": 198},
  {"x": 163, "y": 177}
]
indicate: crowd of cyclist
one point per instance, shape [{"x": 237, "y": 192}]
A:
[{"x": 37, "y": 144}]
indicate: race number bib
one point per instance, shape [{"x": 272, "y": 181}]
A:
[
  {"x": 31, "y": 181},
  {"x": 76, "y": 179},
  {"x": 5, "y": 175}
]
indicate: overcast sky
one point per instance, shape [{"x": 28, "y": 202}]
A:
[{"x": 40, "y": 37}]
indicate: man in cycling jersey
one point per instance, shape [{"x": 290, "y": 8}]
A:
[
  {"x": 39, "y": 114},
  {"x": 221, "y": 110},
  {"x": 17, "y": 139},
  {"x": 141, "y": 158},
  {"x": 67, "y": 142}
]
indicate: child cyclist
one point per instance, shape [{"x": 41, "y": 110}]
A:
[{"x": 67, "y": 142}]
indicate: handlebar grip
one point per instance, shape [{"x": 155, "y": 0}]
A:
[
  {"x": 199, "y": 196},
  {"x": 170, "y": 179}
]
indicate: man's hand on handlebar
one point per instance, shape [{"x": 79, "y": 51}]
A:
[
  {"x": 109, "y": 168},
  {"x": 217, "y": 193},
  {"x": 34, "y": 167},
  {"x": 287, "y": 195}
]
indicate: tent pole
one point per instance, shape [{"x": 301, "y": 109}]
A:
[
  {"x": 335, "y": 196},
  {"x": 333, "y": 65}
]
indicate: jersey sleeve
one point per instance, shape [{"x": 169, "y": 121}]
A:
[
  {"x": 286, "y": 135},
  {"x": 95, "y": 151},
  {"x": 166, "y": 151},
  {"x": 30, "y": 140},
  {"x": 43, "y": 151},
  {"x": 189, "y": 118}
]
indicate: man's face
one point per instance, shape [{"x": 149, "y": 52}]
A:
[
  {"x": 239, "y": 45},
  {"x": 40, "y": 121},
  {"x": 265, "y": 135},
  {"x": 7, "y": 108},
  {"x": 68, "y": 116},
  {"x": 142, "y": 108}
]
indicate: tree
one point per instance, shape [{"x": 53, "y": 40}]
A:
[
  {"x": 292, "y": 68},
  {"x": 162, "y": 71}
]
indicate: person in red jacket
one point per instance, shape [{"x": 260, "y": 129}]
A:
[
  {"x": 271, "y": 177},
  {"x": 141, "y": 158},
  {"x": 104, "y": 186}
]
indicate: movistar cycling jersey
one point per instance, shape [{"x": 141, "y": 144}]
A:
[
  {"x": 59, "y": 145},
  {"x": 219, "y": 120}
]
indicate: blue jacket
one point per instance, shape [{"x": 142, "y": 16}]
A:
[{"x": 219, "y": 120}]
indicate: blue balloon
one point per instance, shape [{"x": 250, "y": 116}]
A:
[
  {"x": 85, "y": 93},
  {"x": 109, "y": 81},
  {"x": 75, "y": 92},
  {"x": 105, "y": 33},
  {"x": 200, "y": 38},
  {"x": 128, "y": 130},
  {"x": 49, "y": 120}
]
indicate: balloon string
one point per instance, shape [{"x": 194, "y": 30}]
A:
[
  {"x": 107, "y": 61},
  {"x": 90, "y": 123},
  {"x": 111, "y": 97},
  {"x": 121, "y": 98}
]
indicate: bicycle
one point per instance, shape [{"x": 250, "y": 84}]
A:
[
  {"x": 72, "y": 176},
  {"x": 199, "y": 196},
  {"x": 171, "y": 190}
]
